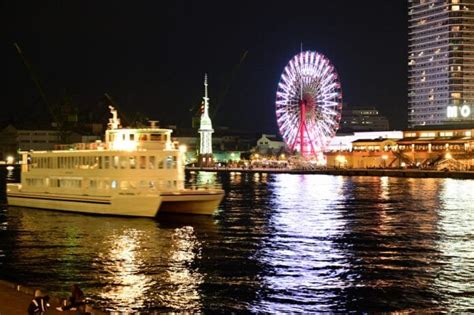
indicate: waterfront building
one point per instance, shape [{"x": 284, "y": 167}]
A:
[
  {"x": 440, "y": 62},
  {"x": 205, "y": 131},
  {"x": 343, "y": 142},
  {"x": 362, "y": 119},
  {"x": 23, "y": 137},
  {"x": 438, "y": 147},
  {"x": 429, "y": 148},
  {"x": 270, "y": 145}
]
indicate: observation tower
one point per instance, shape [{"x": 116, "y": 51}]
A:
[{"x": 205, "y": 131}]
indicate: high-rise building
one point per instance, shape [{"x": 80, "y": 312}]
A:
[
  {"x": 440, "y": 62},
  {"x": 362, "y": 119}
]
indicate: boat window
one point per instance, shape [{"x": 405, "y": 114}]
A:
[
  {"x": 34, "y": 181},
  {"x": 115, "y": 161},
  {"x": 132, "y": 162},
  {"x": 123, "y": 162},
  {"x": 160, "y": 165},
  {"x": 142, "y": 162},
  {"x": 104, "y": 184},
  {"x": 124, "y": 184},
  {"x": 144, "y": 137},
  {"x": 99, "y": 162},
  {"x": 93, "y": 184},
  {"x": 106, "y": 162},
  {"x": 69, "y": 183},
  {"x": 124, "y": 137},
  {"x": 155, "y": 137},
  {"x": 151, "y": 162},
  {"x": 132, "y": 137},
  {"x": 152, "y": 184},
  {"x": 169, "y": 162},
  {"x": 114, "y": 184}
]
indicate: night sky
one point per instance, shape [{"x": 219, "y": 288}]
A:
[{"x": 151, "y": 56}]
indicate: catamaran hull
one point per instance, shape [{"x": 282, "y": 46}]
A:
[
  {"x": 122, "y": 205},
  {"x": 191, "y": 202}
]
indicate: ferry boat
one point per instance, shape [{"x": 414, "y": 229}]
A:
[{"x": 134, "y": 172}]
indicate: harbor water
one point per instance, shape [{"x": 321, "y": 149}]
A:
[{"x": 278, "y": 243}]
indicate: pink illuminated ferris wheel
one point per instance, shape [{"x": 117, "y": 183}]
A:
[{"x": 308, "y": 103}]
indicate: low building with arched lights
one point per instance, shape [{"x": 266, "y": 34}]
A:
[{"x": 433, "y": 148}]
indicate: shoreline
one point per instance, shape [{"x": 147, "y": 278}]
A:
[
  {"x": 410, "y": 173},
  {"x": 15, "y": 298}
]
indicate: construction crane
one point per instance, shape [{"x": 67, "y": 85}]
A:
[
  {"x": 59, "y": 117},
  {"x": 197, "y": 112},
  {"x": 37, "y": 83}
]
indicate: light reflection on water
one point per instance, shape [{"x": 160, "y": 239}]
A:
[
  {"x": 279, "y": 243},
  {"x": 457, "y": 245}
]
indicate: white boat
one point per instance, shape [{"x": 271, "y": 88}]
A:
[{"x": 135, "y": 172}]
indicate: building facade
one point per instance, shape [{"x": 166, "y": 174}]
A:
[
  {"x": 430, "y": 148},
  {"x": 362, "y": 119},
  {"x": 440, "y": 62}
]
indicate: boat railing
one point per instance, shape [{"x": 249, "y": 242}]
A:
[{"x": 82, "y": 146}]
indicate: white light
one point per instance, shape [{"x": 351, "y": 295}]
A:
[
  {"x": 10, "y": 159},
  {"x": 452, "y": 112},
  {"x": 448, "y": 156},
  {"x": 465, "y": 111},
  {"x": 183, "y": 148}
]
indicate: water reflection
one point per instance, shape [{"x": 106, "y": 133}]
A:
[
  {"x": 305, "y": 266},
  {"x": 125, "y": 264},
  {"x": 457, "y": 244},
  {"x": 122, "y": 265},
  {"x": 279, "y": 243}
]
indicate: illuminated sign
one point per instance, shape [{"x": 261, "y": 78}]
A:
[{"x": 456, "y": 111}]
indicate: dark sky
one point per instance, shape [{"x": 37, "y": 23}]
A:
[{"x": 150, "y": 56}]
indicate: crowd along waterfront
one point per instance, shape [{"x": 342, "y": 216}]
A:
[{"x": 278, "y": 243}]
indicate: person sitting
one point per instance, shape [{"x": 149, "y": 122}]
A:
[
  {"x": 76, "y": 300},
  {"x": 39, "y": 304}
]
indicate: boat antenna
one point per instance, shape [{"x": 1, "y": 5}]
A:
[{"x": 114, "y": 122}]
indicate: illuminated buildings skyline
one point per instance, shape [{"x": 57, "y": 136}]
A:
[{"x": 441, "y": 62}]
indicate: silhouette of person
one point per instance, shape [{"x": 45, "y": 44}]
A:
[
  {"x": 39, "y": 304},
  {"x": 76, "y": 299}
]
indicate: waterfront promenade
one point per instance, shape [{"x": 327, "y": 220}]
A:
[
  {"x": 14, "y": 300},
  {"x": 416, "y": 173}
]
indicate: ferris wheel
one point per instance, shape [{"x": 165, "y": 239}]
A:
[{"x": 308, "y": 103}]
